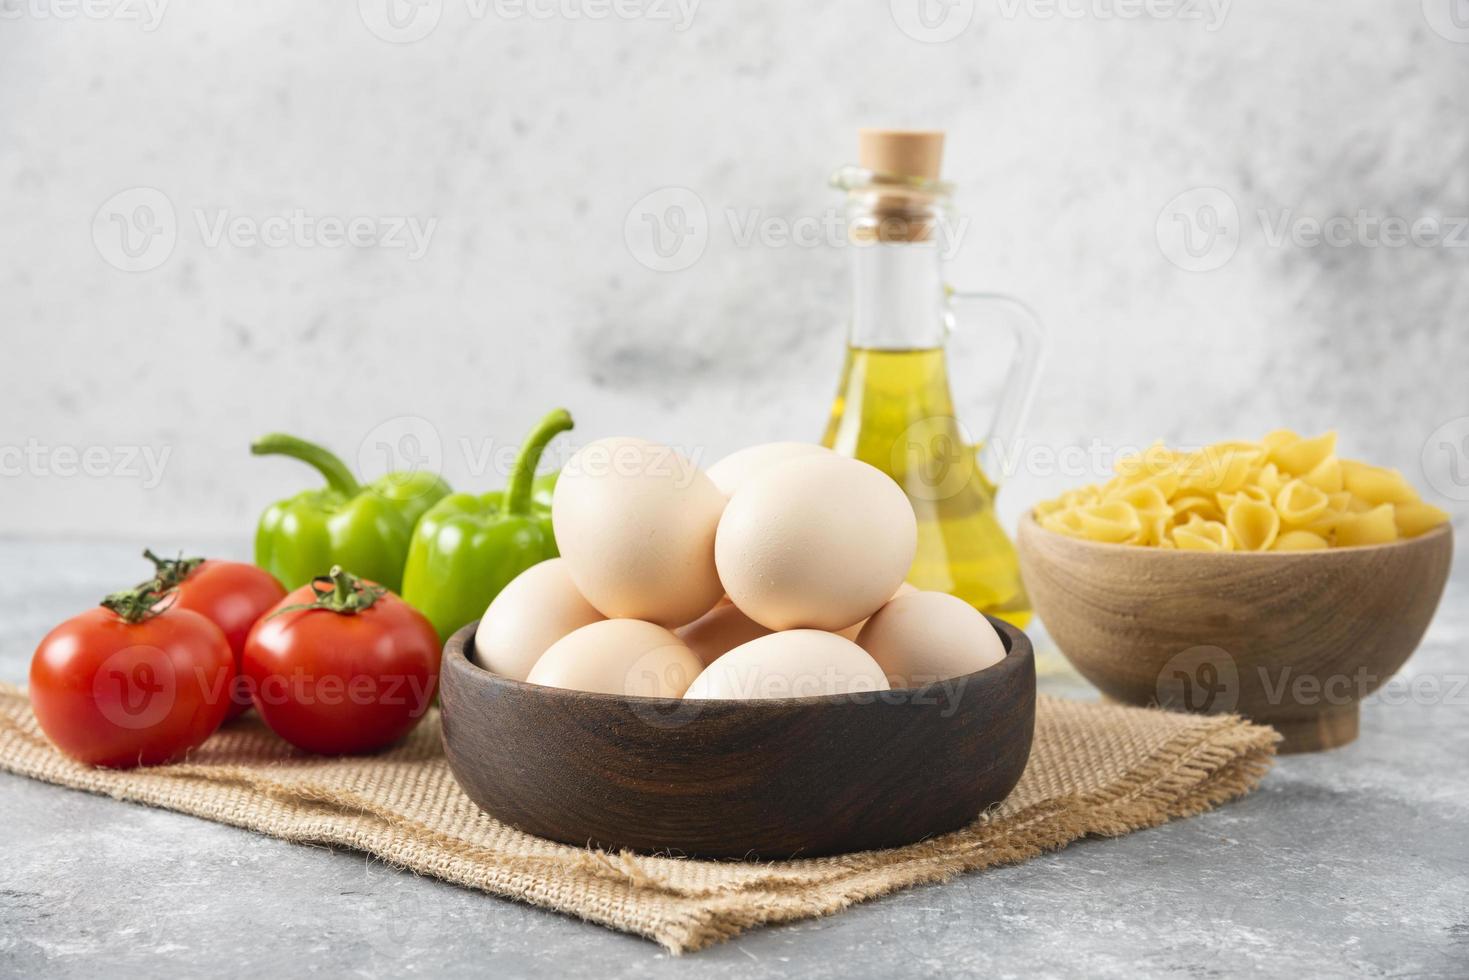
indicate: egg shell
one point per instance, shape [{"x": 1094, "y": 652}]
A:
[
  {"x": 618, "y": 656},
  {"x": 635, "y": 522},
  {"x": 818, "y": 543},
  {"x": 930, "y": 636},
  {"x": 790, "y": 664},
  {"x": 851, "y": 631},
  {"x": 537, "y": 608},
  {"x": 731, "y": 472},
  {"x": 719, "y": 631}
]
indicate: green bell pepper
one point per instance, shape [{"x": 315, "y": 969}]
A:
[
  {"x": 467, "y": 548},
  {"x": 366, "y": 530}
]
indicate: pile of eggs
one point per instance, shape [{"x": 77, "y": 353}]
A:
[{"x": 778, "y": 573}]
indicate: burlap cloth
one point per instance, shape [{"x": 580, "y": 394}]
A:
[{"x": 1095, "y": 769}]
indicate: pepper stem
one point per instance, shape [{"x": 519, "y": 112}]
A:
[
  {"x": 523, "y": 473},
  {"x": 338, "y": 477},
  {"x": 169, "y": 572}
]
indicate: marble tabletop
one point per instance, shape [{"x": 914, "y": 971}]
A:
[{"x": 1352, "y": 862}]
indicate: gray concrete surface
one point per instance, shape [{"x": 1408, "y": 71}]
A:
[{"x": 1354, "y": 862}]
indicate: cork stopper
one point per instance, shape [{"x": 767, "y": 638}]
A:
[{"x": 901, "y": 152}]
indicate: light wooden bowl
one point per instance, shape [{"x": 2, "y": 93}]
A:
[
  {"x": 1291, "y": 639},
  {"x": 743, "y": 779}
]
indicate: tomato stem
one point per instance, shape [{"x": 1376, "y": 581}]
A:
[
  {"x": 169, "y": 572},
  {"x": 338, "y": 591},
  {"x": 139, "y": 604}
]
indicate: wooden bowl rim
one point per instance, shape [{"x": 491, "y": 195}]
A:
[
  {"x": 456, "y": 652},
  {"x": 1446, "y": 528}
]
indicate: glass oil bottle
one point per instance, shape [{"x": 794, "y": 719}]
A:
[{"x": 893, "y": 407}]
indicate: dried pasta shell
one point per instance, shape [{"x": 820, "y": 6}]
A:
[
  {"x": 1065, "y": 521},
  {"x": 1213, "y": 470},
  {"x": 1154, "y": 528},
  {"x": 1268, "y": 478},
  {"x": 1303, "y": 455},
  {"x": 1258, "y": 494},
  {"x": 1156, "y": 459},
  {"x": 1377, "y": 485},
  {"x": 1144, "y": 497},
  {"x": 1203, "y": 536},
  {"x": 1197, "y": 505},
  {"x": 1299, "y": 540},
  {"x": 1113, "y": 521},
  {"x": 1300, "y": 504},
  {"x": 1376, "y": 526},
  {"x": 1253, "y": 524},
  {"x": 1416, "y": 518},
  {"x": 1279, "y": 437},
  {"x": 1325, "y": 475}
]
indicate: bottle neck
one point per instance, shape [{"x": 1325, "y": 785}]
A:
[{"x": 898, "y": 298}]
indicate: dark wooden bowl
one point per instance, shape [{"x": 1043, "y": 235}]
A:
[{"x": 738, "y": 779}]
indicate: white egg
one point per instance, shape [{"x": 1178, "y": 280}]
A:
[
  {"x": 537, "y": 608},
  {"x": 618, "y": 656},
  {"x": 791, "y": 664},
  {"x": 819, "y": 543},
  {"x": 719, "y": 631},
  {"x": 635, "y": 522},
  {"x": 731, "y": 472},
  {"x": 930, "y": 636},
  {"x": 851, "y": 631}
]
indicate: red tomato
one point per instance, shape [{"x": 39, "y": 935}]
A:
[
  {"x": 116, "y": 693},
  {"x": 230, "y": 594},
  {"x": 339, "y": 682}
]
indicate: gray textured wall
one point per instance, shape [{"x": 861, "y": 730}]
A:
[{"x": 141, "y": 146}]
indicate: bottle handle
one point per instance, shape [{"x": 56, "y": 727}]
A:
[{"x": 970, "y": 309}]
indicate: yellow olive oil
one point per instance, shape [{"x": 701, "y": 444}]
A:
[{"x": 893, "y": 409}]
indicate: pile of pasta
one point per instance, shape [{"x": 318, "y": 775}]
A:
[{"x": 1283, "y": 493}]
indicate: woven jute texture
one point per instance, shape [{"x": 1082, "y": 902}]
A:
[{"x": 1095, "y": 769}]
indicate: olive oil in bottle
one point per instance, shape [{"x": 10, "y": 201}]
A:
[{"x": 893, "y": 410}]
